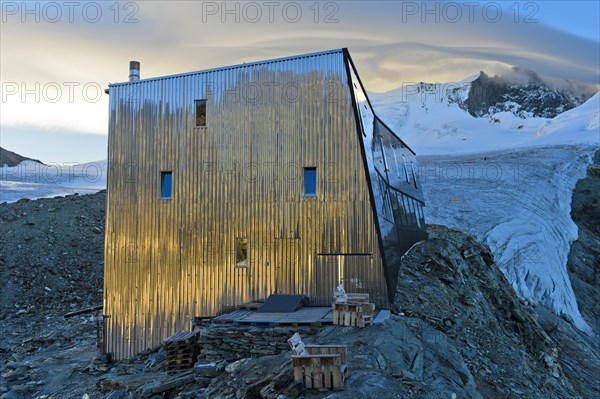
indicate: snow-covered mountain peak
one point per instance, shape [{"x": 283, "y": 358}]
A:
[
  {"x": 521, "y": 92},
  {"x": 438, "y": 118}
]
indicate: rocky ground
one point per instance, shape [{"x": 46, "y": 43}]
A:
[
  {"x": 457, "y": 329},
  {"x": 452, "y": 283},
  {"x": 51, "y": 263}
]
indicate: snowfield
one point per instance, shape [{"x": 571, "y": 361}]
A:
[{"x": 505, "y": 179}]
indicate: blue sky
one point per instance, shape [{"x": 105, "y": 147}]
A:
[{"x": 57, "y": 57}]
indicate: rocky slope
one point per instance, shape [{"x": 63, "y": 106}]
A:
[
  {"x": 11, "y": 159},
  {"x": 584, "y": 259},
  {"x": 452, "y": 282},
  {"x": 51, "y": 258},
  {"x": 457, "y": 331}
]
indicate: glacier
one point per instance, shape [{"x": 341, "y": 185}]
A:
[
  {"x": 31, "y": 180},
  {"x": 518, "y": 202},
  {"x": 505, "y": 179}
]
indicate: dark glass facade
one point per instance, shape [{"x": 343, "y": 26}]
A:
[{"x": 397, "y": 196}]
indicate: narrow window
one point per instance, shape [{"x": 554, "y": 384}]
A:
[
  {"x": 417, "y": 214},
  {"x": 310, "y": 182},
  {"x": 241, "y": 253},
  {"x": 397, "y": 209},
  {"x": 412, "y": 167},
  {"x": 200, "y": 113},
  {"x": 386, "y": 210},
  {"x": 405, "y": 169},
  {"x": 396, "y": 162},
  {"x": 413, "y": 212},
  {"x": 166, "y": 185},
  {"x": 407, "y": 216},
  {"x": 403, "y": 217},
  {"x": 421, "y": 215}
]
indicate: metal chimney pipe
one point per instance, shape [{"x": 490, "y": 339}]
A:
[{"x": 134, "y": 71}]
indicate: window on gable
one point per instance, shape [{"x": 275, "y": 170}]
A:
[
  {"x": 200, "y": 113},
  {"x": 310, "y": 182},
  {"x": 166, "y": 185}
]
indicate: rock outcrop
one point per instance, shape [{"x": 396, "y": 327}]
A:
[
  {"x": 524, "y": 93},
  {"x": 583, "y": 264},
  {"x": 11, "y": 159},
  {"x": 452, "y": 283}
]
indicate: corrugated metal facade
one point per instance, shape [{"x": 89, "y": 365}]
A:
[{"x": 240, "y": 177}]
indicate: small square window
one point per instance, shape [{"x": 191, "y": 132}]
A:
[
  {"x": 310, "y": 182},
  {"x": 241, "y": 253},
  {"x": 200, "y": 113},
  {"x": 166, "y": 185}
]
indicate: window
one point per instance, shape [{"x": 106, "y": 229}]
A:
[
  {"x": 413, "y": 212},
  {"x": 414, "y": 175},
  {"x": 166, "y": 185},
  {"x": 408, "y": 216},
  {"x": 241, "y": 253},
  {"x": 421, "y": 215},
  {"x": 397, "y": 209},
  {"x": 396, "y": 162},
  {"x": 405, "y": 169},
  {"x": 310, "y": 182},
  {"x": 200, "y": 113},
  {"x": 388, "y": 202}
]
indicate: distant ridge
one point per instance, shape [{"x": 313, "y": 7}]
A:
[{"x": 13, "y": 159}]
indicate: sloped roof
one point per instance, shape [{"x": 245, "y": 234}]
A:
[{"x": 243, "y": 65}]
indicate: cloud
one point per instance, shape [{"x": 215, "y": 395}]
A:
[{"x": 389, "y": 43}]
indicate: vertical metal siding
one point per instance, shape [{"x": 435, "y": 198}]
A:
[{"x": 168, "y": 261}]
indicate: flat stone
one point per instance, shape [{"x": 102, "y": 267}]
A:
[{"x": 206, "y": 369}]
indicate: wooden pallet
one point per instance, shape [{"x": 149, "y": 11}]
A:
[
  {"x": 181, "y": 350},
  {"x": 232, "y": 317},
  {"x": 357, "y": 297},
  {"x": 353, "y": 314},
  {"x": 318, "y": 366},
  {"x": 323, "y": 371},
  {"x": 184, "y": 337}
]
